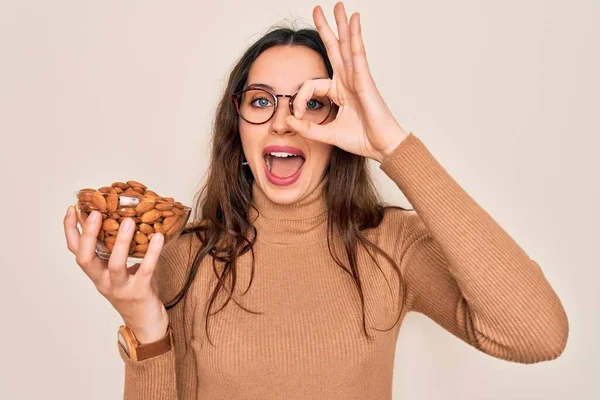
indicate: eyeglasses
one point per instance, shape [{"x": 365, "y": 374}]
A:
[{"x": 258, "y": 106}]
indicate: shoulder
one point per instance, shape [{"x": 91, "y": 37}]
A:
[{"x": 398, "y": 228}]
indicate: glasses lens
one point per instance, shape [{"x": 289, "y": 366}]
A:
[
  {"x": 317, "y": 109},
  {"x": 256, "y": 105}
]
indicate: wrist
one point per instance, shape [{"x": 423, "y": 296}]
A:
[
  {"x": 399, "y": 136},
  {"x": 149, "y": 334}
]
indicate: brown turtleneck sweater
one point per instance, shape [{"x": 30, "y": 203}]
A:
[{"x": 461, "y": 269}]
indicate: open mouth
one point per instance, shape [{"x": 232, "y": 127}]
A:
[{"x": 282, "y": 164}]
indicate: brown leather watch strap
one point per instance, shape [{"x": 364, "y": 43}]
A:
[{"x": 161, "y": 346}]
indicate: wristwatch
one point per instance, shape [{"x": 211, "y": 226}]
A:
[{"x": 139, "y": 352}]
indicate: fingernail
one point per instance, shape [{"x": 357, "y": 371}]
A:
[
  {"x": 70, "y": 210},
  {"x": 157, "y": 238},
  {"x": 127, "y": 224},
  {"x": 94, "y": 216}
]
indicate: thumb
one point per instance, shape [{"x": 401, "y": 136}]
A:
[{"x": 309, "y": 130}]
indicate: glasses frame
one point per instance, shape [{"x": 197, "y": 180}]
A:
[{"x": 235, "y": 98}]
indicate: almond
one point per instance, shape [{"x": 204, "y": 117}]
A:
[
  {"x": 174, "y": 229},
  {"x": 142, "y": 247},
  {"x": 164, "y": 206},
  {"x": 99, "y": 201},
  {"x": 140, "y": 238},
  {"x": 146, "y": 229},
  {"x": 110, "y": 225},
  {"x": 126, "y": 212},
  {"x": 151, "y": 216},
  {"x": 169, "y": 222},
  {"x": 136, "y": 184},
  {"x": 112, "y": 201},
  {"x": 144, "y": 206}
]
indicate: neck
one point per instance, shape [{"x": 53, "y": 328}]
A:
[{"x": 304, "y": 221}]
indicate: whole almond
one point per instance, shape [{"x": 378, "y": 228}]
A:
[
  {"x": 86, "y": 194},
  {"x": 140, "y": 238},
  {"x": 99, "y": 201},
  {"x": 169, "y": 222},
  {"x": 144, "y": 206},
  {"x": 163, "y": 206},
  {"x": 149, "y": 192},
  {"x": 174, "y": 229},
  {"x": 110, "y": 239},
  {"x": 120, "y": 185},
  {"x": 126, "y": 212},
  {"x": 177, "y": 211},
  {"x": 151, "y": 216},
  {"x": 111, "y": 233},
  {"x": 168, "y": 213},
  {"x": 142, "y": 247},
  {"x": 138, "y": 254},
  {"x": 136, "y": 184},
  {"x": 105, "y": 189},
  {"x": 158, "y": 228},
  {"x": 110, "y": 246},
  {"x": 118, "y": 190},
  {"x": 110, "y": 225},
  {"x": 112, "y": 201},
  {"x": 146, "y": 229}
]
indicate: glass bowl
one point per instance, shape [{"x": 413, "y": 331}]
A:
[{"x": 150, "y": 214}]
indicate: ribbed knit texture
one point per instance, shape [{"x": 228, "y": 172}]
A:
[{"x": 460, "y": 267}]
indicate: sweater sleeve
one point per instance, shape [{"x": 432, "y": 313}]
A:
[
  {"x": 171, "y": 375},
  {"x": 465, "y": 272}
]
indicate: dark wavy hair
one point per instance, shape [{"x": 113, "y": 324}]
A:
[{"x": 224, "y": 200}]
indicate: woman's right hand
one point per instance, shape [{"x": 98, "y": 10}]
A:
[{"x": 132, "y": 291}]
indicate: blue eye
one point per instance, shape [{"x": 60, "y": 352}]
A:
[
  {"x": 313, "y": 104},
  {"x": 263, "y": 101}
]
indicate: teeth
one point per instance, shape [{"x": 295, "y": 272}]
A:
[
  {"x": 282, "y": 154},
  {"x": 278, "y": 154}
]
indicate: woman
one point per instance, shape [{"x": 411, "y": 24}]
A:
[{"x": 321, "y": 274}]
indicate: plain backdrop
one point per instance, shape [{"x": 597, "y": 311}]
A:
[{"x": 505, "y": 94}]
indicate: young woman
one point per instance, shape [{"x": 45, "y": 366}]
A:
[{"x": 295, "y": 277}]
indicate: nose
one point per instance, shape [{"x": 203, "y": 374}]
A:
[{"x": 278, "y": 124}]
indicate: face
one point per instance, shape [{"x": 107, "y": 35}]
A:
[{"x": 284, "y": 69}]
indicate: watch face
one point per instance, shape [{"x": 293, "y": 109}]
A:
[{"x": 123, "y": 342}]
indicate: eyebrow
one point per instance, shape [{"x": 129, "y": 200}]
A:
[{"x": 268, "y": 87}]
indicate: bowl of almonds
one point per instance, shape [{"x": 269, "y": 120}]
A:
[{"x": 151, "y": 213}]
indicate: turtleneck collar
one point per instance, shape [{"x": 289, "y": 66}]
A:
[{"x": 304, "y": 221}]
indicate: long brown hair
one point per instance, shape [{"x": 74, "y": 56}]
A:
[{"x": 225, "y": 198}]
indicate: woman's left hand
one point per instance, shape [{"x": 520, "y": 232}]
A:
[{"x": 364, "y": 124}]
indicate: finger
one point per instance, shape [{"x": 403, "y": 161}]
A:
[
  {"x": 308, "y": 90},
  {"x": 143, "y": 276},
  {"x": 133, "y": 269},
  {"x": 331, "y": 42},
  {"x": 117, "y": 263},
  {"x": 341, "y": 19},
  {"x": 312, "y": 131},
  {"x": 359, "y": 56},
  {"x": 86, "y": 255},
  {"x": 71, "y": 231}
]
